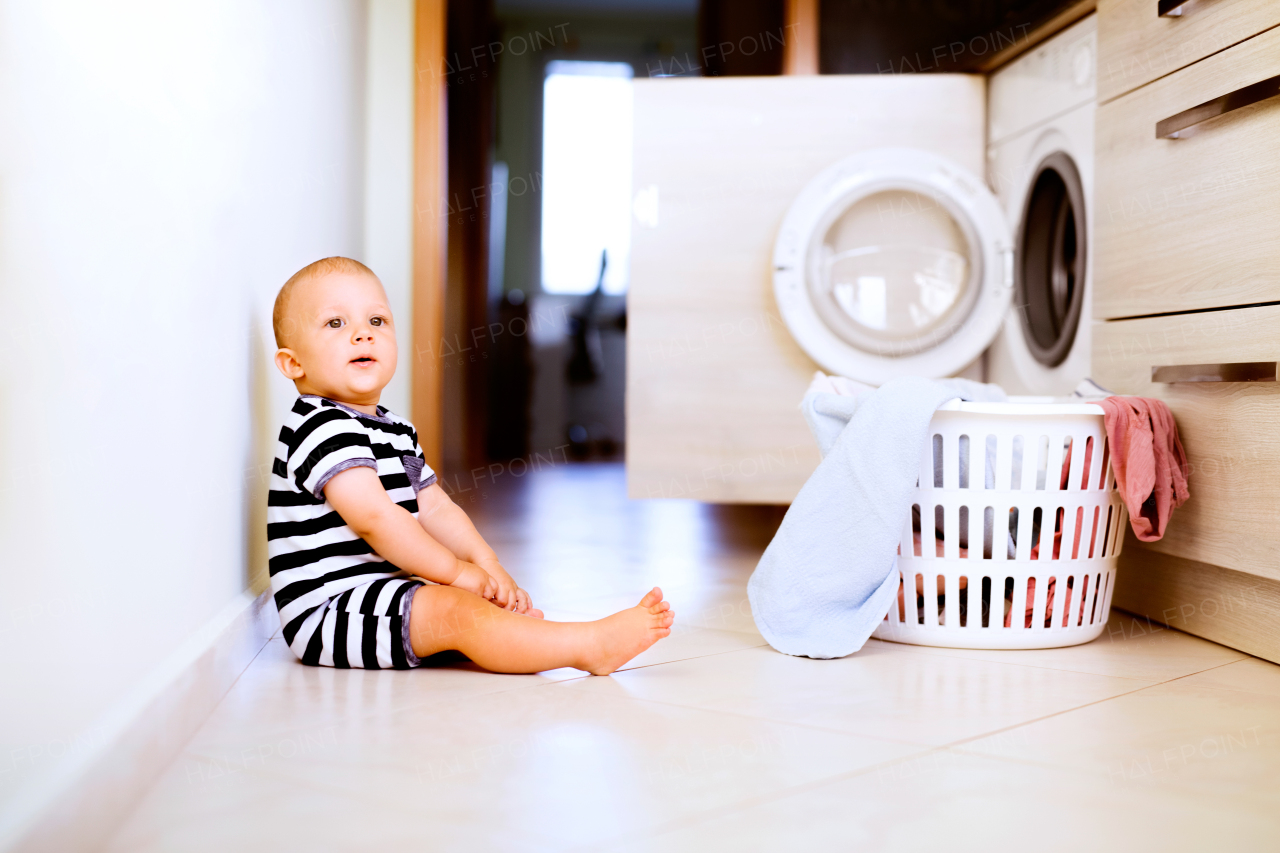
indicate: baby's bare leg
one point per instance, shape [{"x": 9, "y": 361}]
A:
[{"x": 445, "y": 617}]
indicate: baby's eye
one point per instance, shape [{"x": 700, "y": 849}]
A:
[
  {"x": 335, "y": 323},
  {"x": 376, "y": 321}
]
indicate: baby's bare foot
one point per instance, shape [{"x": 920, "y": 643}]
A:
[{"x": 622, "y": 636}]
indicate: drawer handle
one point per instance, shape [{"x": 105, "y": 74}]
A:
[
  {"x": 1168, "y": 128},
  {"x": 1171, "y": 8},
  {"x": 1240, "y": 371}
]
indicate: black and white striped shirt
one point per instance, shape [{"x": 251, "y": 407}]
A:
[{"x": 314, "y": 555}]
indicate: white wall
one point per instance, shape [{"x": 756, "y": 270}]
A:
[
  {"x": 164, "y": 167},
  {"x": 388, "y": 226}
]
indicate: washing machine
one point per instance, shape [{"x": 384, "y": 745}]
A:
[
  {"x": 1040, "y": 118},
  {"x": 899, "y": 262},
  {"x": 863, "y": 225}
]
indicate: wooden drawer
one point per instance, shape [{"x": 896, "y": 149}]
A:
[
  {"x": 1136, "y": 46},
  {"x": 1231, "y": 608},
  {"x": 1231, "y": 430},
  {"x": 1190, "y": 223}
]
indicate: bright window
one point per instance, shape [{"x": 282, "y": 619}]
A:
[{"x": 586, "y": 175}]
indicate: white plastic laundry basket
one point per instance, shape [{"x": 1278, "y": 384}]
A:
[{"x": 1014, "y": 499}]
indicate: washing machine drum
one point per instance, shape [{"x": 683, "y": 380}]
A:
[
  {"x": 1050, "y": 273},
  {"x": 894, "y": 262}
]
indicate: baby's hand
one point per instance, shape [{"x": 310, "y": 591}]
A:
[
  {"x": 505, "y": 588},
  {"x": 524, "y": 605},
  {"x": 509, "y": 596},
  {"x": 472, "y": 578}
]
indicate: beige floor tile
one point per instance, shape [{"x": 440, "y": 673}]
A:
[
  {"x": 687, "y": 643},
  {"x": 1181, "y": 734},
  {"x": 881, "y": 691},
  {"x": 711, "y": 740},
  {"x": 949, "y": 803},
  {"x": 584, "y": 579},
  {"x": 1250, "y": 675},
  {"x": 278, "y": 697},
  {"x": 572, "y": 535},
  {"x": 533, "y": 769},
  {"x": 720, "y": 605},
  {"x": 1128, "y": 648}
]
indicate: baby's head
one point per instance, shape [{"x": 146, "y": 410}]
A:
[{"x": 335, "y": 333}]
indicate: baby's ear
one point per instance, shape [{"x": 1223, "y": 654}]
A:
[{"x": 288, "y": 364}]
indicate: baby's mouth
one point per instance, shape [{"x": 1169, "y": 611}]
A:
[{"x": 364, "y": 359}]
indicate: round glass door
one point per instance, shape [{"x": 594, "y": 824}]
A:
[
  {"x": 894, "y": 273},
  {"x": 893, "y": 262}
]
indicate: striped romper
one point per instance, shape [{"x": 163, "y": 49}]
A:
[{"x": 340, "y": 603}]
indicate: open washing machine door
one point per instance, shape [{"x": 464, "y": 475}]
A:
[{"x": 894, "y": 262}]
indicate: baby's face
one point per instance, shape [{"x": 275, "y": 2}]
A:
[{"x": 341, "y": 339}]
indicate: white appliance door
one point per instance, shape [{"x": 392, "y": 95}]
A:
[
  {"x": 714, "y": 372},
  {"x": 893, "y": 262}
]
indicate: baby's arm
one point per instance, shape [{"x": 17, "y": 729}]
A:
[
  {"x": 449, "y": 524},
  {"x": 358, "y": 496}
]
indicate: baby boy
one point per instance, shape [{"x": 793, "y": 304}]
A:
[{"x": 372, "y": 565}]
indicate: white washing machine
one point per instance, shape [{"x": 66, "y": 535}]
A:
[
  {"x": 845, "y": 223},
  {"x": 1040, "y": 117},
  {"x": 898, "y": 261}
]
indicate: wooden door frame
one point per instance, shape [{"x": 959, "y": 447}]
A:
[
  {"x": 800, "y": 44},
  {"x": 430, "y": 185}
]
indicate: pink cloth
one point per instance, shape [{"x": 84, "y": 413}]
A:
[
  {"x": 1149, "y": 463},
  {"x": 1151, "y": 470}
]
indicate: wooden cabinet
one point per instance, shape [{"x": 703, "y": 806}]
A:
[
  {"x": 1230, "y": 430},
  {"x": 1216, "y": 572},
  {"x": 1137, "y": 45},
  {"x": 1190, "y": 223},
  {"x": 1236, "y": 609},
  {"x": 1187, "y": 274}
]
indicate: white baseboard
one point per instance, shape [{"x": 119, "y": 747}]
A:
[{"x": 79, "y": 803}]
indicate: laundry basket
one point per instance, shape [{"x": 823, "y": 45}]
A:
[{"x": 1014, "y": 532}]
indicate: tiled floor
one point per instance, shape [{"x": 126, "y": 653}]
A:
[{"x": 1142, "y": 740}]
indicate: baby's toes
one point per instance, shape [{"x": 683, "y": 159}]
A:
[
  {"x": 651, "y": 598},
  {"x": 660, "y": 607}
]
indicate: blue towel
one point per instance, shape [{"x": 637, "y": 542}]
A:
[{"x": 829, "y": 575}]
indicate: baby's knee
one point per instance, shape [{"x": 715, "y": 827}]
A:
[
  {"x": 441, "y": 614},
  {"x": 433, "y": 602}
]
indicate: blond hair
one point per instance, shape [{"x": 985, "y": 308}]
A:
[{"x": 319, "y": 269}]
